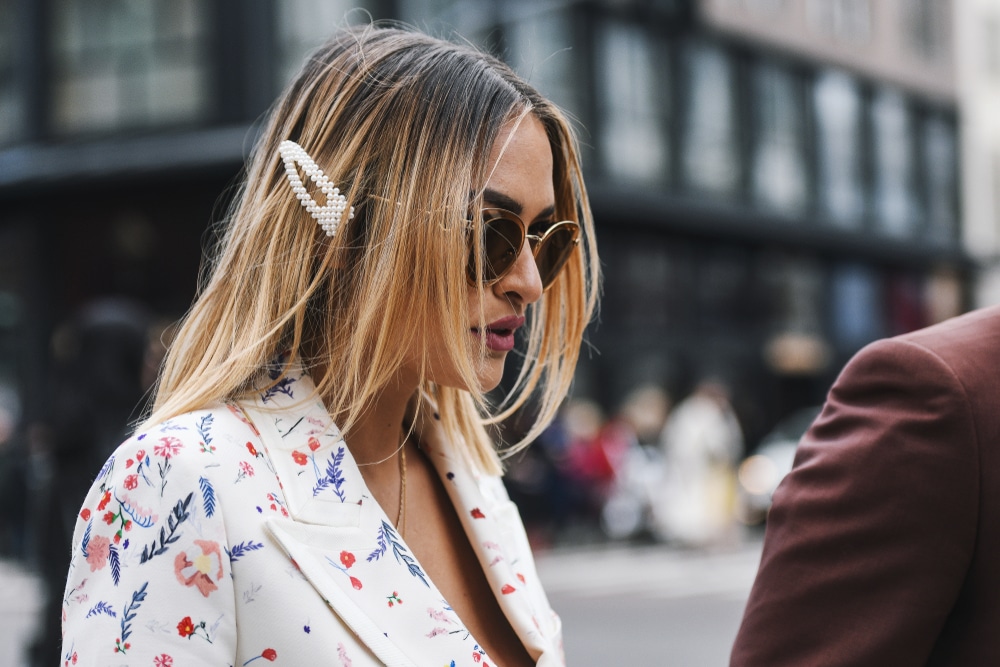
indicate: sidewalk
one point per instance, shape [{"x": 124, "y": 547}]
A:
[{"x": 20, "y": 606}]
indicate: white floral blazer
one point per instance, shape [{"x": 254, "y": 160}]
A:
[{"x": 245, "y": 535}]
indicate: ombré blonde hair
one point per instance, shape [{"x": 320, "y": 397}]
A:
[{"x": 403, "y": 124}]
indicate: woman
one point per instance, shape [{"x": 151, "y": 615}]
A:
[{"x": 317, "y": 441}]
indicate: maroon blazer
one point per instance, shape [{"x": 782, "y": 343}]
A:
[{"x": 883, "y": 543}]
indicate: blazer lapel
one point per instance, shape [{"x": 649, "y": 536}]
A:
[
  {"x": 341, "y": 540},
  {"x": 494, "y": 528}
]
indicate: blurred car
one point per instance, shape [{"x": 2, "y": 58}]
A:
[{"x": 760, "y": 473}]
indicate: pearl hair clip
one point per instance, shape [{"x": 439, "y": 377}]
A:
[{"x": 328, "y": 216}]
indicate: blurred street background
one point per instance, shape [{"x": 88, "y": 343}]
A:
[{"x": 776, "y": 183}]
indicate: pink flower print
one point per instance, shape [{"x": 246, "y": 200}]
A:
[
  {"x": 168, "y": 446},
  {"x": 200, "y": 571},
  {"x": 300, "y": 458},
  {"x": 246, "y": 468},
  {"x": 521, "y": 578},
  {"x": 131, "y": 482},
  {"x": 347, "y": 558},
  {"x": 163, "y": 660},
  {"x": 345, "y": 660},
  {"x": 97, "y": 552}
]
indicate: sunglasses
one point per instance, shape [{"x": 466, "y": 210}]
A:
[{"x": 503, "y": 237}]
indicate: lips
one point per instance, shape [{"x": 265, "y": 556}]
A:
[{"x": 500, "y": 334}]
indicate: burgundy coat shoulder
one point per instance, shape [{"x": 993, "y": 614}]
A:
[{"x": 883, "y": 543}]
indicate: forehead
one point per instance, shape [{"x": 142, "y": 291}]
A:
[{"x": 521, "y": 162}]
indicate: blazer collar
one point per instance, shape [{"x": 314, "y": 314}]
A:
[{"x": 334, "y": 522}]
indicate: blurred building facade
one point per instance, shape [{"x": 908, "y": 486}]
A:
[{"x": 776, "y": 182}]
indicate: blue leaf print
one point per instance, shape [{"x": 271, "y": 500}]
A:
[
  {"x": 86, "y": 539},
  {"x": 204, "y": 428},
  {"x": 137, "y": 599},
  {"x": 101, "y": 608},
  {"x": 380, "y": 549},
  {"x": 116, "y": 567},
  {"x": 241, "y": 549},
  {"x": 334, "y": 476},
  {"x": 137, "y": 519},
  {"x": 106, "y": 469},
  {"x": 178, "y": 516},
  {"x": 282, "y": 386},
  {"x": 208, "y": 495},
  {"x": 401, "y": 554}
]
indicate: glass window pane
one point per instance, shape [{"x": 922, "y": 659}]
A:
[
  {"x": 710, "y": 156},
  {"x": 632, "y": 90},
  {"x": 119, "y": 64},
  {"x": 895, "y": 203},
  {"x": 304, "y": 25},
  {"x": 838, "y": 145},
  {"x": 940, "y": 179},
  {"x": 856, "y": 313},
  {"x": 540, "y": 49},
  {"x": 779, "y": 169},
  {"x": 11, "y": 99}
]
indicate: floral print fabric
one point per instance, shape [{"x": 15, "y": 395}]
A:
[{"x": 227, "y": 536}]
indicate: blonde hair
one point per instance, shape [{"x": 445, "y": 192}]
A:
[{"x": 403, "y": 124}]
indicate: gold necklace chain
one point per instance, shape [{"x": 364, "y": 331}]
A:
[{"x": 401, "y": 514}]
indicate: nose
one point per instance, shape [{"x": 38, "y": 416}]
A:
[{"x": 522, "y": 283}]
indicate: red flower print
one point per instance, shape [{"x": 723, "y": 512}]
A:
[
  {"x": 108, "y": 518},
  {"x": 186, "y": 627},
  {"x": 97, "y": 552},
  {"x": 85, "y": 514},
  {"x": 521, "y": 577},
  {"x": 251, "y": 449},
  {"x": 167, "y": 447},
  {"x": 313, "y": 443},
  {"x": 139, "y": 456},
  {"x": 204, "y": 570},
  {"x": 477, "y": 513},
  {"x": 131, "y": 482},
  {"x": 105, "y": 499},
  {"x": 347, "y": 558},
  {"x": 356, "y": 583},
  {"x": 476, "y": 657},
  {"x": 129, "y": 463},
  {"x": 269, "y": 654},
  {"x": 164, "y": 660},
  {"x": 507, "y": 589},
  {"x": 300, "y": 458}
]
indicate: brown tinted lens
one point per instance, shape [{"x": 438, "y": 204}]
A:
[
  {"x": 502, "y": 241},
  {"x": 553, "y": 251}
]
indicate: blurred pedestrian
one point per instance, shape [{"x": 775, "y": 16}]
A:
[
  {"x": 882, "y": 544},
  {"x": 96, "y": 395},
  {"x": 702, "y": 441},
  {"x": 316, "y": 483}
]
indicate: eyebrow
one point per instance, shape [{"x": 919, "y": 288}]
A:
[{"x": 500, "y": 200}]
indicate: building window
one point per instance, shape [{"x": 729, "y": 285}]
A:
[
  {"x": 779, "y": 169},
  {"x": 11, "y": 98},
  {"x": 633, "y": 97},
  {"x": 895, "y": 206},
  {"x": 837, "y": 104},
  {"x": 304, "y": 25},
  {"x": 940, "y": 165},
  {"x": 710, "y": 156},
  {"x": 119, "y": 64},
  {"x": 847, "y": 21},
  {"x": 927, "y": 28},
  {"x": 540, "y": 49}
]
